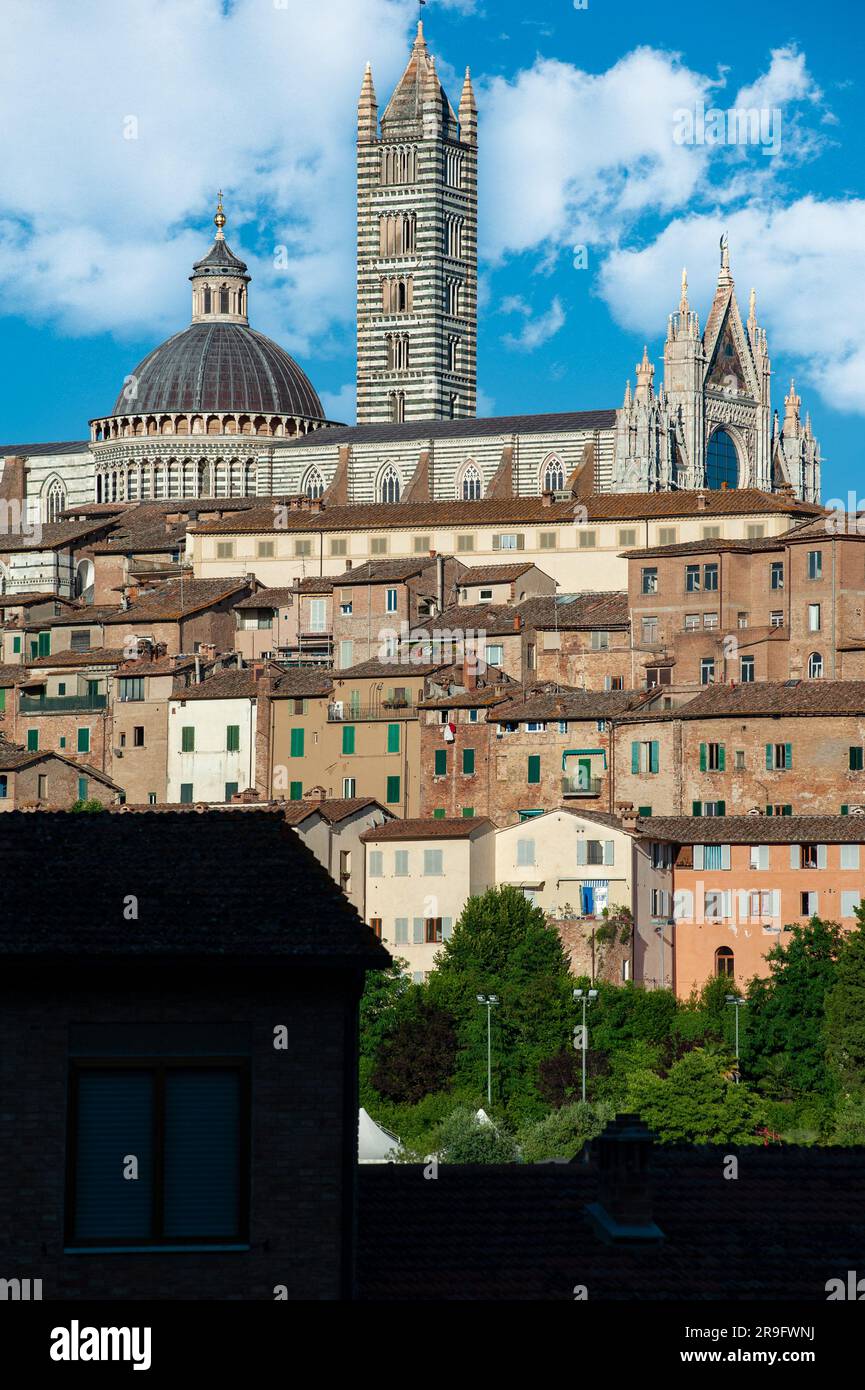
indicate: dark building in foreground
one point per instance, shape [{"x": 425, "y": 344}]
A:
[{"x": 178, "y": 1058}]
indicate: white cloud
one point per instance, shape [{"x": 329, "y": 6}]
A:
[
  {"x": 805, "y": 261},
  {"x": 535, "y": 331},
  {"x": 341, "y": 405}
]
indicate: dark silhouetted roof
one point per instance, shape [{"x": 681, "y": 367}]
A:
[
  {"x": 198, "y": 879},
  {"x": 223, "y": 367}
]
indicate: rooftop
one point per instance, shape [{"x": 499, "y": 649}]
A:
[
  {"x": 428, "y": 828},
  {"x": 754, "y": 830}
]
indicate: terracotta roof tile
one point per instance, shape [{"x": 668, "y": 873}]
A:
[
  {"x": 177, "y": 599},
  {"x": 428, "y": 828},
  {"x": 754, "y": 830}
]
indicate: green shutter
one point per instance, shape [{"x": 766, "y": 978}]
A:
[
  {"x": 32, "y": 740},
  {"x": 787, "y": 811},
  {"x": 295, "y": 791},
  {"x": 696, "y": 808},
  {"x": 187, "y": 739},
  {"x": 654, "y": 755},
  {"x": 635, "y": 757},
  {"x": 644, "y": 810},
  {"x": 722, "y": 808},
  {"x": 16, "y": 646},
  {"x": 468, "y": 812},
  {"x": 844, "y": 810},
  {"x": 232, "y": 739},
  {"x": 392, "y": 793},
  {"x": 439, "y": 813},
  {"x": 348, "y": 738},
  {"x": 45, "y": 644},
  {"x": 468, "y": 761},
  {"x": 83, "y": 740},
  {"x": 768, "y": 757},
  {"x": 82, "y": 788},
  {"x": 534, "y": 767},
  {"x": 441, "y": 762},
  {"x": 393, "y": 738},
  {"x": 788, "y": 756},
  {"x": 2, "y": 698},
  {"x": 230, "y": 790},
  {"x": 296, "y": 750},
  {"x": 722, "y": 758},
  {"x": 186, "y": 793},
  {"x": 704, "y": 761}
]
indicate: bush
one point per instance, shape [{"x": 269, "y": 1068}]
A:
[
  {"x": 563, "y": 1133},
  {"x": 463, "y": 1139}
]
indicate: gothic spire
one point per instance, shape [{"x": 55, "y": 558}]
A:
[{"x": 367, "y": 108}]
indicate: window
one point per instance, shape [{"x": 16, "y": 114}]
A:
[
  {"x": 348, "y": 739},
  {"x": 42, "y": 787},
  {"x": 649, "y": 580},
  {"x": 627, "y": 538},
  {"x": 535, "y": 726},
  {"x": 231, "y": 789},
  {"x": 376, "y": 863},
  {"x": 400, "y": 927},
  {"x": 849, "y": 856},
  {"x": 232, "y": 738},
  {"x": 760, "y": 857},
  {"x": 850, "y": 900},
  {"x": 391, "y": 600},
  {"x": 346, "y": 653},
  {"x": 16, "y": 645},
  {"x": 295, "y": 791},
  {"x": 600, "y": 641},
  {"x": 510, "y": 541},
  {"x": 393, "y": 738},
  {"x": 378, "y": 545},
  {"x": 809, "y": 904},
  {"x": 779, "y": 757},
  {"x": 778, "y": 810},
  {"x": 707, "y": 671},
  {"x": 421, "y": 544},
  {"x": 815, "y": 564},
  {"x": 131, "y": 687},
  {"x": 468, "y": 762},
  {"x": 349, "y": 787},
  {"x": 392, "y": 790},
  {"x": 708, "y": 808},
  {"x": 303, "y": 548},
  {"x": 588, "y": 539},
  {"x": 4, "y": 786},
  {"x": 710, "y": 533},
  {"x": 722, "y": 462},
  {"x": 465, "y": 543},
  {"x": 746, "y": 669},
  {"x": 548, "y": 540},
  {"x": 712, "y": 757},
  {"x": 553, "y": 476},
  {"x": 776, "y": 618},
  {"x": 755, "y": 531},
  {"x": 494, "y": 654},
  {"x": 318, "y": 615},
  {"x": 776, "y": 573},
  {"x": 525, "y": 853},
  {"x": 710, "y": 578},
  {"x": 667, "y": 535},
  {"x": 400, "y": 863},
  {"x": 645, "y": 756},
  {"x": 692, "y": 622},
  {"x": 138, "y": 735},
  {"x": 440, "y": 762},
  {"x": 660, "y": 906},
  {"x": 432, "y": 863},
  {"x": 389, "y": 485},
  {"x": 225, "y": 550},
  {"x": 813, "y": 617},
  {"x": 339, "y": 546},
  {"x": 661, "y": 855},
  {"x": 187, "y": 1124},
  {"x": 79, "y": 641},
  {"x": 264, "y": 550},
  {"x": 187, "y": 738},
  {"x": 296, "y": 742},
  {"x": 807, "y": 856},
  {"x": 815, "y": 666},
  {"x": 83, "y": 744},
  {"x": 739, "y": 761},
  {"x": 186, "y": 793},
  {"x": 534, "y": 768},
  {"x": 710, "y": 620},
  {"x": 692, "y": 579},
  {"x": 724, "y": 961},
  {"x": 856, "y": 758},
  {"x": 650, "y": 631}
]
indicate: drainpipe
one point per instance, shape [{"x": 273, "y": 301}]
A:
[{"x": 834, "y": 611}]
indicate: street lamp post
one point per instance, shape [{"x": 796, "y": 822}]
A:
[
  {"x": 489, "y": 1000},
  {"x": 738, "y": 1004},
  {"x": 586, "y": 997}
]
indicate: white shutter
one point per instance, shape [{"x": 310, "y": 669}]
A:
[
  {"x": 821, "y": 856},
  {"x": 794, "y": 856},
  {"x": 728, "y": 903},
  {"x": 418, "y": 931},
  {"x": 742, "y": 896},
  {"x": 447, "y": 928},
  {"x": 725, "y": 856},
  {"x": 609, "y": 851},
  {"x": 698, "y": 856},
  {"x": 581, "y": 851},
  {"x": 776, "y": 903}
]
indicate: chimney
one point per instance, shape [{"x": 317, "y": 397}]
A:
[
  {"x": 702, "y": 501},
  {"x": 629, "y": 818},
  {"x": 622, "y": 1215},
  {"x": 347, "y": 565},
  {"x": 547, "y": 498},
  {"x": 518, "y": 622}
]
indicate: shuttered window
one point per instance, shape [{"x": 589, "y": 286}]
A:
[
  {"x": 232, "y": 738},
  {"x": 534, "y": 769},
  {"x": 187, "y": 739},
  {"x": 441, "y": 762},
  {"x": 393, "y": 738},
  {"x": 296, "y": 747}
]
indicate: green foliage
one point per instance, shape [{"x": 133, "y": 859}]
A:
[
  {"x": 418, "y": 1058},
  {"x": 845, "y": 1013},
  {"x": 783, "y": 1039},
  {"x": 850, "y": 1120},
  {"x": 462, "y": 1139},
  {"x": 562, "y": 1133},
  {"x": 87, "y": 807},
  {"x": 383, "y": 993},
  {"x": 697, "y": 1102}
]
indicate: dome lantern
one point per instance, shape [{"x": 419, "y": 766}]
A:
[{"x": 219, "y": 280}]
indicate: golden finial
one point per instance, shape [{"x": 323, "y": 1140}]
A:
[{"x": 220, "y": 218}]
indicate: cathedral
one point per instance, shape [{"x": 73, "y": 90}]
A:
[{"x": 219, "y": 410}]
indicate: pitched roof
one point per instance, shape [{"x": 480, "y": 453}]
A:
[
  {"x": 54, "y": 535},
  {"x": 775, "y": 697},
  {"x": 386, "y": 669},
  {"x": 491, "y": 619},
  {"x": 201, "y": 911},
  {"x": 381, "y": 571},
  {"x": 13, "y": 756},
  {"x": 298, "y": 682},
  {"x": 95, "y": 656},
  {"x": 12, "y": 675},
  {"x": 72, "y": 446},
  {"x": 574, "y": 612},
  {"x": 179, "y": 599},
  {"x": 494, "y": 574},
  {"x": 568, "y": 704},
  {"x": 711, "y": 546},
  {"x": 233, "y": 684},
  {"x": 754, "y": 830},
  {"x": 521, "y": 1231},
  {"x": 268, "y": 598},
  {"x": 428, "y": 828},
  {"x": 333, "y": 809},
  {"x": 496, "y": 425},
  {"x": 30, "y": 599}
]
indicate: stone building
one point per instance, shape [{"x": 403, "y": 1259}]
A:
[{"x": 417, "y": 258}]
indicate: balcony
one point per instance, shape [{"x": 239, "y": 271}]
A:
[
  {"x": 62, "y": 704},
  {"x": 581, "y": 786},
  {"x": 347, "y": 713}
]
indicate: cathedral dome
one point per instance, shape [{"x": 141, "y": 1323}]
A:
[{"x": 221, "y": 367}]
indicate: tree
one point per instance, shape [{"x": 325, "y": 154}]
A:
[
  {"x": 418, "y": 1058},
  {"x": 87, "y": 807},
  {"x": 383, "y": 993},
  {"x": 563, "y": 1133},
  {"x": 462, "y": 1138},
  {"x": 845, "y": 1013},
  {"x": 696, "y": 1103},
  {"x": 783, "y": 1039}
]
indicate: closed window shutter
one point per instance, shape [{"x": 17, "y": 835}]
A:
[
  {"x": 635, "y": 757},
  {"x": 654, "y": 755},
  {"x": 417, "y": 926},
  {"x": 788, "y": 755},
  {"x": 698, "y": 856},
  {"x": 768, "y": 757},
  {"x": 722, "y": 758},
  {"x": 202, "y": 1155},
  {"x": 497, "y": 542},
  {"x": 521, "y": 542},
  {"x": 722, "y": 808},
  {"x": 703, "y": 757},
  {"x": 447, "y": 928},
  {"x": 727, "y": 898},
  {"x": 609, "y": 851},
  {"x": 776, "y": 902},
  {"x": 794, "y": 856},
  {"x": 742, "y": 904},
  {"x": 115, "y": 1117},
  {"x": 764, "y": 856},
  {"x": 725, "y": 856},
  {"x": 401, "y": 931},
  {"x": 696, "y": 808},
  {"x": 821, "y": 856},
  {"x": 581, "y": 851}
]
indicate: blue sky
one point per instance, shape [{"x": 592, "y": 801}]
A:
[{"x": 119, "y": 123}]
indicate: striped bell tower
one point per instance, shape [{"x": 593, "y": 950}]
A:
[{"x": 416, "y": 249}]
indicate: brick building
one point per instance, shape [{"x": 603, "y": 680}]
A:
[{"x": 376, "y": 604}]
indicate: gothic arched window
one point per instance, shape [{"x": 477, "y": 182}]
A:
[
  {"x": 313, "y": 484},
  {"x": 55, "y": 500},
  {"x": 389, "y": 485},
  {"x": 722, "y": 462},
  {"x": 724, "y": 962},
  {"x": 815, "y": 666},
  {"x": 470, "y": 489},
  {"x": 553, "y": 476}
]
